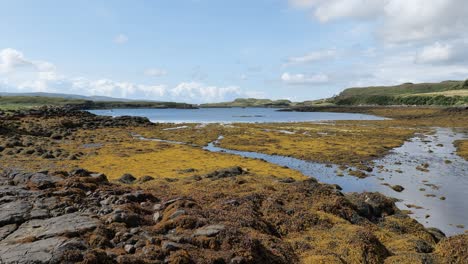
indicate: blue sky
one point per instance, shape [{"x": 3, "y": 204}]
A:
[{"x": 212, "y": 50}]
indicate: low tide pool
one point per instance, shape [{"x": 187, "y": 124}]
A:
[{"x": 435, "y": 180}]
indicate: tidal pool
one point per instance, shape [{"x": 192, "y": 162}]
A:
[{"x": 439, "y": 191}]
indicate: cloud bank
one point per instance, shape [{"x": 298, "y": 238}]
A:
[{"x": 18, "y": 73}]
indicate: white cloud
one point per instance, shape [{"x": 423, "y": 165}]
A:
[
  {"x": 199, "y": 92},
  {"x": 121, "y": 39},
  {"x": 397, "y": 20},
  {"x": 313, "y": 57},
  {"x": 435, "y": 53},
  {"x": 154, "y": 72},
  {"x": 303, "y": 79},
  {"x": 396, "y": 69},
  {"x": 41, "y": 76}
]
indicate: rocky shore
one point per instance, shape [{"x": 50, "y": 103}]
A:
[{"x": 227, "y": 215}]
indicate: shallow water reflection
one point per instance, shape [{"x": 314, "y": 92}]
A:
[{"x": 440, "y": 189}]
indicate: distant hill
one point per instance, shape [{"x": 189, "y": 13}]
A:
[
  {"x": 11, "y": 102},
  {"x": 251, "y": 102},
  {"x": 443, "y": 93},
  {"x": 68, "y": 96}
]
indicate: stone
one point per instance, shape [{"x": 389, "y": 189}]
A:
[
  {"x": 156, "y": 217},
  {"x": 41, "y": 251},
  {"x": 99, "y": 177},
  {"x": 436, "y": 233},
  {"x": 127, "y": 178},
  {"x": 69, "y": 224},
  {"x": 209, "y": 231},
  {"x": 6, "y": 230},
  {"x": 177, "y": 214},
  {"x": 225, "y": 173},
  {"x": 170, "y": 246},
  {"x": 130, "y": 219},
  {"x": 80, "y": 172},
  {"x": 146, "y": 179},
  {"x": 287, "y": 180},
  {"x": 398, "y": 188},
  {"x": 15, "y": 212},
  {"x": 130, "y": 249}
]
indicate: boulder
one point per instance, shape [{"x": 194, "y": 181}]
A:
[
  {"x": 127, "y": 178},
  {"x": 69, "y": 224},
  {"x": 209, "y": 231},
  {"x": 225, "y": 173},
  {"x": 15, "y": 212}
]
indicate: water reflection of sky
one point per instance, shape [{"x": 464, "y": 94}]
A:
[
  {"x": 449, "y": 180},
  {"x": 231, "y": 115}
]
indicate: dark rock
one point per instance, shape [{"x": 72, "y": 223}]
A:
[
  {"x": 145, "y": 179},
  {"x": 56, "y": 136},
  {"x": 225, "y": 173},
  {"x": 127, "y": 178},
  {"x": 287, "y": 180},
  {"x": 99, "y": 177},
  {"x": 80, "y": 173},
  {"x": 130, "y": 219},
  {"x": 130, "y": 249},
  {"x": 170, "y": 246},
  {"x": 397, "y": 188},
  {"x": 437, "y": 234}
]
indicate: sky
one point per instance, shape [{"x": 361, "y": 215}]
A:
[{"x": 200, "y": 51}]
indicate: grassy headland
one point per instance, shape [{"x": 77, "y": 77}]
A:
[
  {"x": 447, "y": 93},
  {"x": 25, "y": 102},
  {"x": 251, "y": 102}
]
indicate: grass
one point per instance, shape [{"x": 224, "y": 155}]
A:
[
  {"x": 405, "y": 89},
  {"x": 251, "y": 102},
  {"x": 444, "y": 93},
  {"x": 462, "y": 148},
  {"x": 25, "y": 102}
]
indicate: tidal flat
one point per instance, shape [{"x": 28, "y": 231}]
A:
[{"x": 204, "y": 206}]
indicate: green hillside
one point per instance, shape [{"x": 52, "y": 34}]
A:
[
  {"x": 443, "y": 93},
  {"x": 251, "y": 102},
  {"x": 24, "y": 102}
]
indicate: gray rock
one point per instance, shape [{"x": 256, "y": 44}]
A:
[
  {"x": 177, "y": 214},
  {"x": 170, "y": 246},
  {"x": 127, "y": 178},
  {"x": 156, "y": 217},
  {"x": 211, "y": 230},
  {"x": 41, "y": 251},
  {"x": 68, "y": 224},
  {"x": 130, "y": 249},
  {"x": 6, "y": 230},
  {"x": 14, "y": 212},
  {"x": 157, "y": 207}
]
